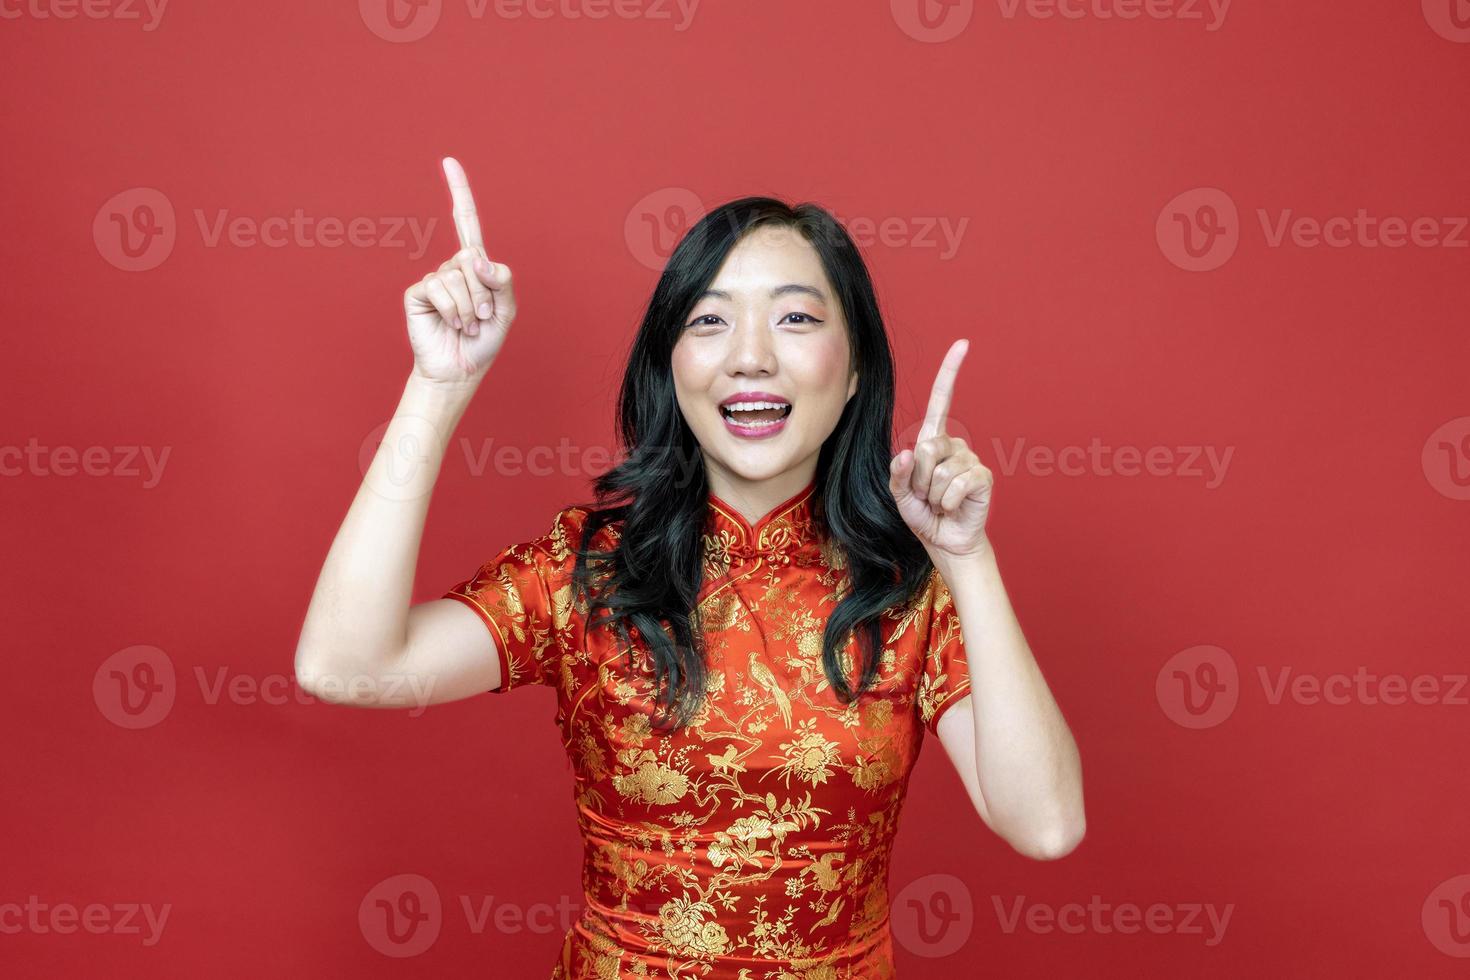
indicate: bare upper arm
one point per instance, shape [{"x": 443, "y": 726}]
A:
[
  {"x": 448, "y": 655},
  {"x": 957, "y": 734}
]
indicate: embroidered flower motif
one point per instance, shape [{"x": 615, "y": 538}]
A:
[
  {"x": 688, "y": 933},
  {"x": 653, "y": 783},
  {"x": 808, "y": 755}
]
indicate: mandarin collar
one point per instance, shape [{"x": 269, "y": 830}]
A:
[{"x": 775, "y": 535}]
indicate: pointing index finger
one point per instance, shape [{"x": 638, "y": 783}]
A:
[
  {"x": 943, "y": 392},
  {"x": 466, "y": 219}
]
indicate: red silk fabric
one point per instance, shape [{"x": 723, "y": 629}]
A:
[{"x": 754, "y": 842}]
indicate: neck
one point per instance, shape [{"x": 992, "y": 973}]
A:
[{"x": 753, "y": 499}]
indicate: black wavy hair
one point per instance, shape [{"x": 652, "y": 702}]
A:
[{"x": 647, "y": 587}]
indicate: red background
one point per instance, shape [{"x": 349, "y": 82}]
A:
[{"x": 1336, "y": 540}]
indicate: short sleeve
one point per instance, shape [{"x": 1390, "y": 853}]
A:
[
  {"x": 944, "y": 678},
  {"x": 524, "y": 597}
]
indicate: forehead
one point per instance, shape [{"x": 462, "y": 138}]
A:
[{"x": 771, "y": 255}]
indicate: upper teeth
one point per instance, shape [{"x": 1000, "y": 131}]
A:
[{"x": 753, "y": 406}]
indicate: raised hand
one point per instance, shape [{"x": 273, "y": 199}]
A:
[
  {"x": 941, "y": 488},
  {"x": 459, "y": 314}
]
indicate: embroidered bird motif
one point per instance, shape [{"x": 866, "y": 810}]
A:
[
  {"x": 762, "y": 676},
  {"x": 831, "y": 915},
  {"x": 726, "y": 762}
]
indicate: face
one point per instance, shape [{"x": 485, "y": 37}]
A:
[{"x": 769, "y": 331}]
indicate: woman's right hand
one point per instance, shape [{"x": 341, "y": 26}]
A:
[{"x": 459, "y": 314}]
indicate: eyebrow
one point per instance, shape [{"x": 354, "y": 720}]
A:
[{"x": 779, "y": 291}]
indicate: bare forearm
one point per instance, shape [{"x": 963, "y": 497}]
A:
[
  {"x": 357, "y": 618},
  {"x": 1029, "y": 771}
]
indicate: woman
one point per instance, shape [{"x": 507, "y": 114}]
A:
[{"x": 748, "y": 646}]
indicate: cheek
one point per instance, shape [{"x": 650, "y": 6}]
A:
[
  {"x": 686, "y": 368},
  {"x": 824, "y": 368},
  {"x": 693, "y": 379}
]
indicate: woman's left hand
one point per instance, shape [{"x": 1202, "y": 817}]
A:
[{"x": 940, "y": 486}]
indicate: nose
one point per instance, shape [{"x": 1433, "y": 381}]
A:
[{"x": 752, "y": 350}]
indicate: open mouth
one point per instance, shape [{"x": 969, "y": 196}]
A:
[{"x": 755, "y": 415}]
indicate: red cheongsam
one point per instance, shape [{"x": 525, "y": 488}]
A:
[{"x": 755, "y": 842}]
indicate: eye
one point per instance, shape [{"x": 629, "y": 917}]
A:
[
  {"x": 699, "y": 320},
  {"x": 806, "y": 317}
]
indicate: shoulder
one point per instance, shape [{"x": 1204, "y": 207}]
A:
[
  {"x": 565, "y": 535},
  {"x": 907, "y": 622}
]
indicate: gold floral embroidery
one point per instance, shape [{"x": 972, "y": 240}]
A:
[
  {"x": 762, "y": 832},
  {"x": 808, "y": 756}
]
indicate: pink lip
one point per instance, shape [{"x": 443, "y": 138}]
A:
[
  {"x": 754, "y": 396},
  {"x": 766, "y": 431}
]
